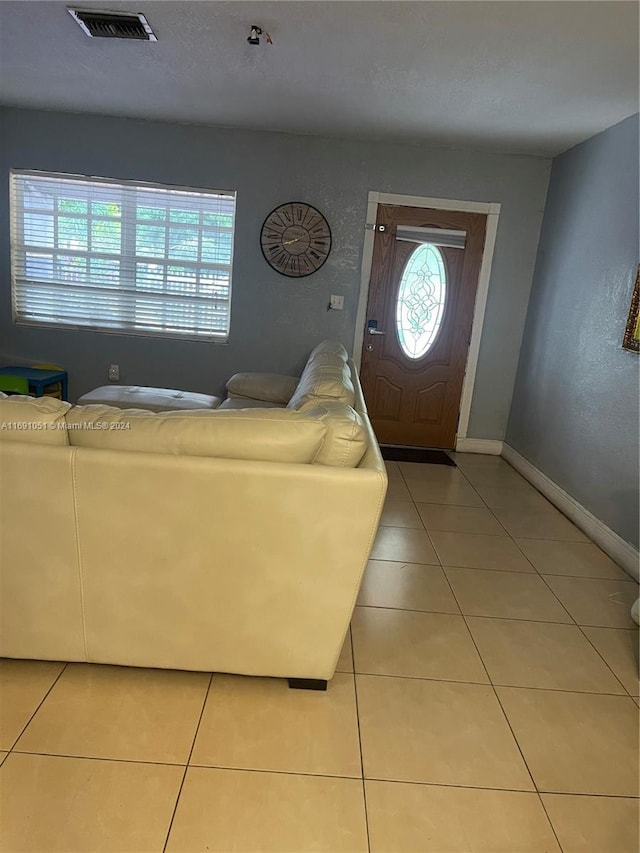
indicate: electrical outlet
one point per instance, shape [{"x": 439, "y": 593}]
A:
[
  {"x": 114, "y": 372},
  {"x": 337, "y": 303}
]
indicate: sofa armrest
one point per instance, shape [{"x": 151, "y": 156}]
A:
[{"x": 270, "y": 387}]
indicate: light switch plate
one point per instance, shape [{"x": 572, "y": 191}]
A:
[{"x": 337, "y": 303}]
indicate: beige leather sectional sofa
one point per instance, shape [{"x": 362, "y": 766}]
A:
[{"x": 227, "y": 540}]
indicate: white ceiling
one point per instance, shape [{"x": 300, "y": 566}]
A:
[{"x": 532, "y": 77}]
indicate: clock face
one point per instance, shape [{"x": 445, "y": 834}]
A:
[{"x": 295, "y": 239}]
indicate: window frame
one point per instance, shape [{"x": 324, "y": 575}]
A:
[{"x": 127, "y": 238}]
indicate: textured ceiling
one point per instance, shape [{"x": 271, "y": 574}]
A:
[{"x": 532, "y": 77}]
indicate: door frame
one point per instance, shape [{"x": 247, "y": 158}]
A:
[{"x": 492, "y": 211}]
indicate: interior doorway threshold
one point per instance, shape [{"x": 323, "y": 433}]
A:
[{"x": 426, "y": 455}]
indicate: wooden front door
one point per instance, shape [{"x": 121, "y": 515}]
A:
[{"x": 419, "y": 317}]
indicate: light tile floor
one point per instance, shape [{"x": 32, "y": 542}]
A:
[{"x": 486, "y": 701}]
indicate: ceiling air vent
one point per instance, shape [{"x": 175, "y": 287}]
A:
[{"x": 113, "y": 25}]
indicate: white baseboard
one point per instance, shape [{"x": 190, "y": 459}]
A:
[
  {"x": 623, "y": 553},
  {"x": 478, "y": 445}
]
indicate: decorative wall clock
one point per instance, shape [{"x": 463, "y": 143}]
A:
[{"x": 295, "y": 239}]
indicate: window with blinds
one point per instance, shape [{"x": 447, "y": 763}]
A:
[{"x": 121, "y": 257}]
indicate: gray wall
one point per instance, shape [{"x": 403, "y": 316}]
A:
[
  {"x": 275, "y": 320},
  {"x": 575, "y": 405}
]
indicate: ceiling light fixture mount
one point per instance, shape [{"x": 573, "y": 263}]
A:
[{"x": 256, "y": 32}]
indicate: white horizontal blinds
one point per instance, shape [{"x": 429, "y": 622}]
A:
[
  {"x": 436, "y": 236},
  {"x": 120, "y": 256}
]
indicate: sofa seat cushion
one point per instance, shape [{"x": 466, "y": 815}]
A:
[
  {"x": 36, "y": 420},
  {"x": 246, "y": 403},
  {"x": 259, "y": 435},
  {"x": 320, "y": 382},
  {"x": 151, "y": 399},
  {"x": 346, "y": 440},
  {"x": 270, "y": 387}
]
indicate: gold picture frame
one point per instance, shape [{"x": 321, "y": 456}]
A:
[{"x": 631, "y": 340}]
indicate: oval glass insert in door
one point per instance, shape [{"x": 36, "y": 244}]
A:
[{"x": 421, "y": 299}]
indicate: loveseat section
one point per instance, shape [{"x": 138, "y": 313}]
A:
[
  {"x": 220, "y": 540},
  {"x": 222, "y": 565}
]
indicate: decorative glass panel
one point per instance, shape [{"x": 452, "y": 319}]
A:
[{"x": 421, "y": 298}]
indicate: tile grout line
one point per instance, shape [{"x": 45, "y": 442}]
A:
[
  {"x": 584, "y": 577},
  {"x": 521, "y": 477},
  {"x": 539, "y": 574},
  {"x": 492, "y": 788},
  {"x": 580, "y": 578},
  {"x": 535, "y": 571},
  {"x": 543, "y": 578},
  {"x": 513, "y": 539},
  {"x": 508, "y": 535},
  {"x": 186, "y": 768},
  {"x": 328, "y": 775},
  {"x": 322, "y": 775},
  {"x": 480, "y": 658},
  {"x": 505, "y": 535},
  {"x": 491, "y": 682},
  {"x": 486, "y": 569},
  {"x": 467, "y": 482},
  {"x": 491, "y": 510},
  {"x": 231, "y": 768},
  {"x": 513, "y": 735},
  {"x": 515, "y": 739},
  {"x": 411, "y": 609},
  {"x": 475, "y": 645},
  {"x": 99, "y": 758},
  {"x": 433, "y": 547},
  {"x": 548, "y": 816},
  {"x": 39, "y": 705},
  {"x": 482, "y": 615},
  {"x": 599, "y": 653},
  {"x": 537, "y": 790},
  {"x": 493, "y": 686},
  {"x": 364, "y": 787}
]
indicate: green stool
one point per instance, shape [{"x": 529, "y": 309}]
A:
[{"x": 10, "y": 384}]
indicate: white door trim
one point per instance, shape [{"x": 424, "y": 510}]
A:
[{"x": 492, "y": 209}]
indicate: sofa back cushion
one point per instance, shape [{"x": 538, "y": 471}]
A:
[
  {"x": 37, "y": 420},
  {"x": 326, "y": 358},
  {"x": 259, "y": 435},
  {"x": 346, "y": 439},
  {"x": 270, "y": 387},
  {"x": 248, "y": 403},
  {"x": 323, "y": 381},
  {"x": 333, "y": 348}
]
